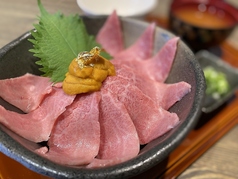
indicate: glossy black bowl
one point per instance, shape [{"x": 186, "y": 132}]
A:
[{"x": 16, "y": 60}]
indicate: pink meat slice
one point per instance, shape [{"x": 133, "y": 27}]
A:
[
  {"x": 159, "y": 66},
  {"x": 150, "y": 120},
  {"x": 36, "y": 126},
  {"x": 170, "y": 93},
  {"x": 75, "y": 137},
  {"x": 25, "y": 92},
  {"x": 164, "y": 95},
  {"x": 110, "y": 35},
  {"x": 141, "y": 49},
  {"x": 98, "y": 163},
  {"x": 119, "y": 139}
]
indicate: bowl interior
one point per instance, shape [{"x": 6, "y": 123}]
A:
[{"x": 185, "y": 68}]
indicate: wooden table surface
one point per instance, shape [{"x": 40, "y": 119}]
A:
[{"x": 220, "y": 161}]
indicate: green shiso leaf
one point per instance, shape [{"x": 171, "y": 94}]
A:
[{"x": 57, "y": 40}]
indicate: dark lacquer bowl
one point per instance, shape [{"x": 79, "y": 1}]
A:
[
  {"x": 202, "y": 24},
  {"x": 16, "y": 60}
]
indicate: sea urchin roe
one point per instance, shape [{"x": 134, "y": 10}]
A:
[{"x": 87, "y": 72}]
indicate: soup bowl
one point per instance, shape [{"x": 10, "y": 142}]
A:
[
  {"x": 185, "y": 68},
  {"x": 202, "y": 24}
]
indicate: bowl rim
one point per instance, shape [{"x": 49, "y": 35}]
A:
[{"x": 126, "y": 169}]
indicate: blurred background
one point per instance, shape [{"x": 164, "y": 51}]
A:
[
  {"x": 25, "y": 21},
  {"x": 163, "y": 13}
]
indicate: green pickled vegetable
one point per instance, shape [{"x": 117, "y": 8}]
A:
[{"x": 217, "y": 84}]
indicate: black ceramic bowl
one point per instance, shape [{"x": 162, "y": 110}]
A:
[
  {"x": 202, "y": 24},
  {"x": 16, "y": 60}
]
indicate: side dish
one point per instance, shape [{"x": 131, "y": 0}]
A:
[{"x": 217, "y": 84}]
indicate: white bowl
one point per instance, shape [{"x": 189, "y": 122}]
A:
[{"x": 123, "y": 7}]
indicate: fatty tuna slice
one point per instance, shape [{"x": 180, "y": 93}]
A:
[
  {"x": 159, "y": 66},
  {"x": 141, "y": 49},
  {"x": 75, "y": 137},
  {"x": 99, "y": 163},
  {"x": 25, "y": 92},
  {"x": 110, "y": 35},
  {"x": 164, "y": 95},
  {"x": 119, "y": 139},
  {"x": 150, "y": 120},
  {"x": 36, "y": 126}
]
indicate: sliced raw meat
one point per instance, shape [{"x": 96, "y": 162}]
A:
[
  {"x": 170, "y": 93},
  {"x": 119, "y": 139},
  {"x": 110, "y": 35},
  {"x": 159, "y": 66},
  {"x": 142, "y": 49},
  {"x": 58, "y": 85},
  {"x": 98, "y": 163},
  {"x": 150, "y": 120},
  {"x": 25, "y": 92},
  {"x": 36, "y": 126},
  {"x": 75, "y": 137},
  {"x": 164, "y": 95}
]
